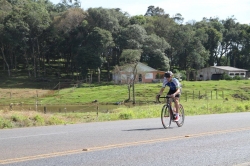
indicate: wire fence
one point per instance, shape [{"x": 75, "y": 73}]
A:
[
  {"x": 214, "y": 95},
  {"x": 141, "y": 99}
]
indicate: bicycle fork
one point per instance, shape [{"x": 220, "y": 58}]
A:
[{"x": 170, "y": 112}]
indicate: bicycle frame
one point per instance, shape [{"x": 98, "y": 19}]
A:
[
  {"x": 167, "y": 113},
  {"x": 169, "y": 105}
]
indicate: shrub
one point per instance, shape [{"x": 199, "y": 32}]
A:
[
  {"x": 237, "y": 78},
  {"x": 5, "y": 123},
  {"x": 39, "y": 120},
  {"x": 239, "y": 108},
  {"x": 55, "y": 121},
  {"x": 226, "y": 77},
  {"x": 16, "y": 118},
  {"x": 247, "y": 107},
  {"x": 126, "y": 115}
]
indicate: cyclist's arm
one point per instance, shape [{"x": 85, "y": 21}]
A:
[
  {"x": 163, "y": 86},
  {"x": 177, "y": 92},
  {"x": 161, "y": 91},
  {"x": 178, "y": 87}
]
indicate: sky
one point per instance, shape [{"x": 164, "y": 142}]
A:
[{"x": 189, "y": 9}]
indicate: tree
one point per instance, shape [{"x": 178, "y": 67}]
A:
[
  {"x": 140, "y": 20},
  {"x": 96, "y": 47},
  {"x": 132, "y": 37},
  {"x": 5, "y": 9},
  {"x": 129, "y": 59},
  {"x": 72, "y": 30},
  {"x": 154, "y": 11},
  {"x": 153, "y": 52}
]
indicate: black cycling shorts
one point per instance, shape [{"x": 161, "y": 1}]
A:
[{"x": 170, "y": 92}]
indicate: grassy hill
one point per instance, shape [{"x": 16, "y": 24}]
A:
[{"x": 27, "y": 91}]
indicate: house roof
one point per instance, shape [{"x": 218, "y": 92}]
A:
[
  {"x": 228, "y": 68},
  {"x": 140, "y": 67},
  {"x": 144, "y": 67}
]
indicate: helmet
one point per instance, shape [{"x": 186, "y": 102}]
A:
[{"x": 168, "y": 74}]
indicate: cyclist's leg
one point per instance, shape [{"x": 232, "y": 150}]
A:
[
  {"x": 171, "y": 100},
  {"x": 177, "y": 108},
  {"x": 176, "y": 102},
  {"x": 173, "y": 105}
]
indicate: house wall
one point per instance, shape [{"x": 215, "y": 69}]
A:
[
  {"x": 151, "y": 76},
  {"x": 148, "y": 77},
  {"x": 206, "y": 73},
  {"x": 237, "y": 73}
]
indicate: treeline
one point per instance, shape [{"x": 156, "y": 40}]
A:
[{"x": 41, "y": 38}]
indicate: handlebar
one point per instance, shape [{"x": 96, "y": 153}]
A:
[{"x": 166, "y": 97}]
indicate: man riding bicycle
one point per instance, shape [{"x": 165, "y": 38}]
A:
[{"x": 174, "y": 90}]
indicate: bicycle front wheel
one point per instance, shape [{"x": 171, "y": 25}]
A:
[
  {"x": 165, "y": 117},
  {"x": 182, "y": 116}
]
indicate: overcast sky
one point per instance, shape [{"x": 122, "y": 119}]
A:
[{"x": 189, "y": 9}]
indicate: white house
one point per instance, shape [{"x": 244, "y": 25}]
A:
[
  {"x": 215, "y": 72},
  {"x": 145, "y": 73}
]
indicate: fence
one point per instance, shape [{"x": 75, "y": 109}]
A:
[
  {"x": 13, "y": 98},
  {"x": 213, "y": 95}
]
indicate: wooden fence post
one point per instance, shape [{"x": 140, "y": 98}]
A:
[
  {"x": 186, "y": 95},
  {"x": 97, "y": 109},
  {"x": 44, "y": 110}
]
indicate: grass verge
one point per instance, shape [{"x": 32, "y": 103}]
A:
[{"x": 14, "y": 119}]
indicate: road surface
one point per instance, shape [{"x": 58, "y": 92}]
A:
[{"x": 222, "y": 139}]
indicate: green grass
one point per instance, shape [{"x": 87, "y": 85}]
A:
[
  {"x": 198, "y": 98},
  {"x": 145, "y": 93}
]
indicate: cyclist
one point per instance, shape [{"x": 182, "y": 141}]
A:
[{"x": 174, "y": 90}]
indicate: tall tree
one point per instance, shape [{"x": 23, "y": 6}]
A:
[
  {"x": 154, "y": 52},
  {"x": 98, "y": 41},
  {"x": 154, "y": 11}
]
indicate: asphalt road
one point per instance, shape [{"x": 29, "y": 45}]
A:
[{"x": 222, "y": 139}]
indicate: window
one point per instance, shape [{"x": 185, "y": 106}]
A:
[
  {"x": 231, "y": 74},
  {"x": 242, "y": 74},
  {"x": 237, "y": 74}
]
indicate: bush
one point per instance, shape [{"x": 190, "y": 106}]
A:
[
  {"x": 5, "y": 123},
  {"x": 226, "y": 77},
  {"x": 239, "y": 108},
  {"x": 126, "y": 115},
  {"x": 247, "y": 107},
  {"x": 16, "y": 118},
  {"x": 237, "y": 78},
  {"x": 55, "y": 121},
  {"x": 39, "y": 120}
]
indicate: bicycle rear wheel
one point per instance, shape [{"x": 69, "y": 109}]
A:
[
  {"x": 165, "y": 117},
  {"x": 182, "y": 116}
]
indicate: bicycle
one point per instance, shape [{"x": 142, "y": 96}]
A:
[{"x": 167, "y": 113}]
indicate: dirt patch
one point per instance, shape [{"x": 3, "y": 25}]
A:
[{"x": 22, "y": 93}]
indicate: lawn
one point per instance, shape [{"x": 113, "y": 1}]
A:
[{"x": 198, "y": 97}]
